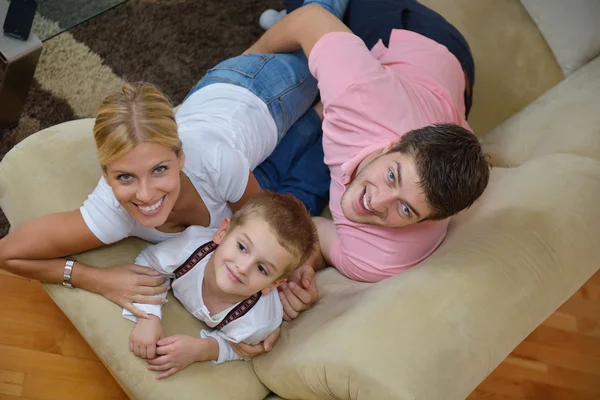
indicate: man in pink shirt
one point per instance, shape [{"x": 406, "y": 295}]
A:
[{"x": 401, "y": 154}]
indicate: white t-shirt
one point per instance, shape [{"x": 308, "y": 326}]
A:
[
  {"x": 167, "y": 256},
  {"x": 226, "y": 132}
]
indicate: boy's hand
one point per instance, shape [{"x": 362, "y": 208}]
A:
[
  {"x": 174, "y": 354},
  {"x": 145, "y": 335},
  {"x": 299, "y": 293}
]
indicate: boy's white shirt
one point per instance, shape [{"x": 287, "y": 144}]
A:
[{"x": 167, "y": 256}]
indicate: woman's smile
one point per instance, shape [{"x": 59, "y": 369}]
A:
[{"x": 151, "y": 209}]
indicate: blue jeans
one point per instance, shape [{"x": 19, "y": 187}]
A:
[{"x": 284, "y": 83}]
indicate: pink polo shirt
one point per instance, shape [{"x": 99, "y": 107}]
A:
[{"x": 371, "y": 98}]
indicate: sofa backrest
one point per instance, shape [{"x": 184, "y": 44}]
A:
[
  {"x": 571, "y": 29},
  {"x": 513, "y": 63}
]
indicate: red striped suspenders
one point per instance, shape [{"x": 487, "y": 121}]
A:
[{"x": 195, "y": 258}]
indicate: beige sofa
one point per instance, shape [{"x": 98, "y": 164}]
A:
[{"x": 436, "y": 331}]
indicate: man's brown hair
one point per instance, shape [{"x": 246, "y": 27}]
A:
[
  {"x": 288, "y": 219},
  {"x": 453, "y": 170}
]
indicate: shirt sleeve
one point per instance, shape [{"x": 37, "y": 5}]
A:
[
  {"x": 104, "y": 216},
  {"x": 154, "y": 309},
  {"x": 340, "y": 60},
  {"x": 366, "y": 257},
  {"x": 226, "y": 352},
  {"x": 165, "y": 257},
  {"x": 228, "y": 171}
]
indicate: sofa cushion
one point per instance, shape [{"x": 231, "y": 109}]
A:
[
  {"x": 436, "y": 331},
  {"x": 571, "y": 29},
  {"x": 513, "y": 63},
  {"x": 54, "y": 170},
  {"x": 564, "y": 120}
]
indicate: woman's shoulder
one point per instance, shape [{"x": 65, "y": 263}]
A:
[{"x": 213, "y": 157}]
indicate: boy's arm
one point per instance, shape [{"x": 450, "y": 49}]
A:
[
  {"x": 301, "y": 29},
  {"x": 144, "y": 337},
  {"x": 177, "y": 352},
  {"x": 220, "y": 342}
]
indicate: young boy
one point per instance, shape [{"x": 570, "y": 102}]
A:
[{"x": 227, "y": 279}]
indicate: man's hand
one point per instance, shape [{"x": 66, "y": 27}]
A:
[
  {"x": 299, "y": 293},
  {"x": 126, "y": 284},
  {"x": 248, "y": 351},
  {"x": 174, "y": 354},
  {"x": 145, "y": 335}
]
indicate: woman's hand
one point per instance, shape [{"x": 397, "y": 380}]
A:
[
  {"x": 174, "y": 354},
  {"x": 131, "y": 283},
  {"x": 299, "y": 293},
  {"x": 248, "y": 351}
]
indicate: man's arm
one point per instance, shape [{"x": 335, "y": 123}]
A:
[
  {"x": 327, "y": 236},
  {"x": 300, "y": 29}
]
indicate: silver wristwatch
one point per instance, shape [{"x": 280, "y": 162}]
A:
[{"x": 70, "y": 261}]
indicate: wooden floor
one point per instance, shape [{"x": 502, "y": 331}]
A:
[{"x": 43, "y": 357}]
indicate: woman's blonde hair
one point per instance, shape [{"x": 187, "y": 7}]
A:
[{"x": 138, "y": 113}]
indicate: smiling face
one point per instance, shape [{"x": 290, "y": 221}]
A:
[
  {"x": 386, "y": 192},
  {"x": 249, "y": 258},
  {"x": 146, "y": 182}
]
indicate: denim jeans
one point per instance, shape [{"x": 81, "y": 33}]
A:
[{"x": 283, "y": 81}]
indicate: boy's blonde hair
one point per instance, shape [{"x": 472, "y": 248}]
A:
[
  {"x": 289, "y": 220},
  {"x": 138, "y": 113}
]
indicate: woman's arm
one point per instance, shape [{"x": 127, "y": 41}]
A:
[{"x": 34, "y": 250}]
